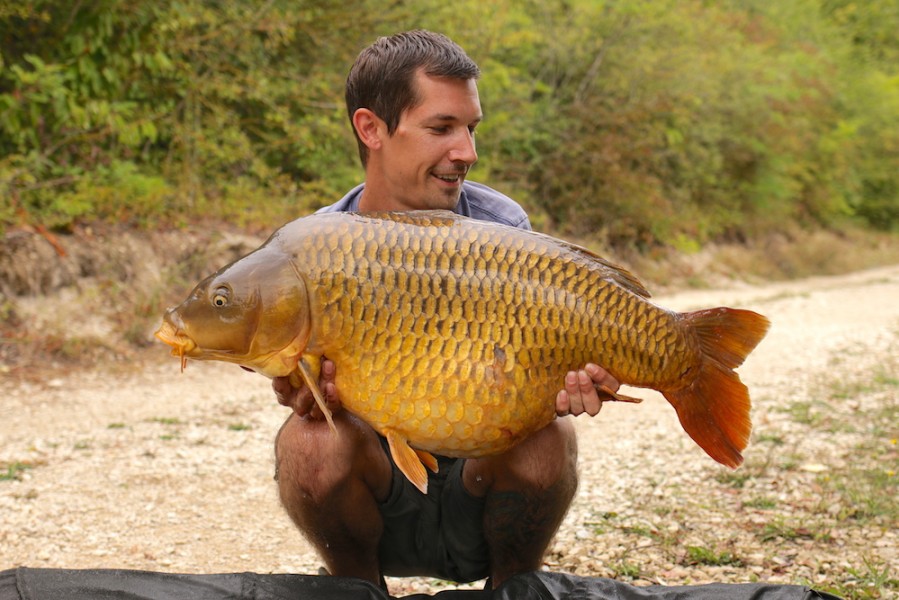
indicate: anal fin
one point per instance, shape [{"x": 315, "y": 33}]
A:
[{"x": 408, "y": 460}]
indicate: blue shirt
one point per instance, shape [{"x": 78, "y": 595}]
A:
[{"x": 476, "y": 201}]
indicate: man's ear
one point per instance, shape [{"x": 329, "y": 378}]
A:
[{"x": 369, "y": 127}]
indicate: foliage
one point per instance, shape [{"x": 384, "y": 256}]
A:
[
  {"x": 187, "y": 105},
  {"x": 644, "y": 123},
  {"x": 674, "y": 121}
]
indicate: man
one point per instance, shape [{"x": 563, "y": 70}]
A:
[{"x": 413, "y": 102}]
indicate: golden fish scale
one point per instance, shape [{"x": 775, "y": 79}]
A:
[{"x": 458, "y": 337}]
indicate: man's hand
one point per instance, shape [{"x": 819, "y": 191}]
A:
[
  {"x": 301, "y": 399},
  {"x": 580, "y": 394}
]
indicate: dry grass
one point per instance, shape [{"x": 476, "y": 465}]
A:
[{"x": 774, "y": 258}]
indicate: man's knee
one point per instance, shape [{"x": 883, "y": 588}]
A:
[
  {"x": 313, "y": 460},
  {"x": 306, "y": 460},
  {"x": 551, "y": 458},
  {"x": 547, "y": 459}
]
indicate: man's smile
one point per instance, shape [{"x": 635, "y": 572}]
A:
[
  {"x": 451, "y": 175},
  {"x": 448, "y": 178}
]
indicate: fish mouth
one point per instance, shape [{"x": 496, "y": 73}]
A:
[{"x": 181, "y": 344}]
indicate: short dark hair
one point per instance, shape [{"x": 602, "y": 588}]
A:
[{"x": 383, "y": 77}]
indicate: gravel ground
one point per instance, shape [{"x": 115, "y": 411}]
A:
[{"x": 151, "y": 469}]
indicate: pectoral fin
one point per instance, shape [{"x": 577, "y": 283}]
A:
[
  {"x": 309, "y": 368},
  {"x": 409, "y": 461}
]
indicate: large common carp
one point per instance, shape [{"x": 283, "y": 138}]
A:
[{"x": 452, "y": 335}]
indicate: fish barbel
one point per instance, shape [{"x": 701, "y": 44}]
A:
[{"x": 452, "y": 335}]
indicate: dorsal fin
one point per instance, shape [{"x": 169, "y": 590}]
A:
[{"x": 614, "y": 272}]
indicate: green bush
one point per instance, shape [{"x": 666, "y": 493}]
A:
[{"x": 670, "y": 122}]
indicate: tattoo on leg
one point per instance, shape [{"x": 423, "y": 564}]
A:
[{"x": 519, "y": 526}]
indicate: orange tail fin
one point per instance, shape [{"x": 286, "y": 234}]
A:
[{"x": 714, "y": 407}]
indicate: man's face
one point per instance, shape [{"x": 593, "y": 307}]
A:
[{"x": 423, "y": 164}]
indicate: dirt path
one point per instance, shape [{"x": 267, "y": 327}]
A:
[{"x": 157, "y": 470}]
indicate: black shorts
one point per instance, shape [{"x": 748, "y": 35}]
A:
[{"x": 439, "y": 535}]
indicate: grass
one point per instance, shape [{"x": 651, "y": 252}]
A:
[
  {"x": 167, "y": 420},
  {"x": 628, "y": 570},
  {"x": 879, "y": 379},
  {"x": 171, "y": 422},
  {"x": 874, "y": 576},
  {"x": 761, "y": 503},
  {"x": 735, "y": 479},
  {"x": 13, "y": 471},
  {"x": 868, "y": 482},
  {"x": 808, "y": 412},
  {"x": 754, "y": 467},
  {"x": 872, "y": 580},
  {"x": 781, "y": 529},
  {"x": 870, "y": 494},
  {"x": 701, "y": 555}
]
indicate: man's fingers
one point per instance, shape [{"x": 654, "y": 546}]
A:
[
  {"x": 304, "y": 403},
  {"x": 329, "y": 393},
  {"x": 580, "y": 394},
  {"x": 590, "y": 402},
  {"x": 563, "y": 403},
  {"x": 602, "y": 378},
  {"x": 328, "y": 370},
  {"x": 328, "y": 388},
  {"x": 284, "y": 392},
  {"x": 302, "y": 400}
]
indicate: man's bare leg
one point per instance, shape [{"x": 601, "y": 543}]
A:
[
  {"x": 331, "y": 485},
  {"x": 528, "y": 492}
]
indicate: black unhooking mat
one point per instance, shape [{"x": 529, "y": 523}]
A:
[{"x": 108, "y": 584}]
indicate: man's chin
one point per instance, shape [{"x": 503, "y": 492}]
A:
[{"x": 448, "y": 198}]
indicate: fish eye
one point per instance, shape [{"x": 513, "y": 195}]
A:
[{"x": 221, "y": 297}]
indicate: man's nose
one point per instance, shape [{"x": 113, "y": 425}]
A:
[{"x": 463, "y": 149}]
